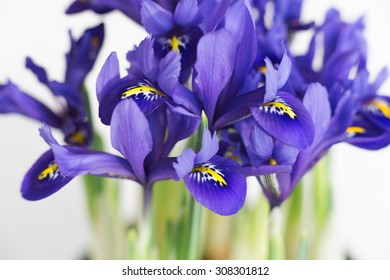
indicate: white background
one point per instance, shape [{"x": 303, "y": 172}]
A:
[{"x": 57, "y": 227}]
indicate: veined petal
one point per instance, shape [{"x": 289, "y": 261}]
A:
[
  {"x": 168, "y": 76},
  {"x": 214, "y": 66},
  {"x": 217, "y": 185},
  {"x": 131, "y": 135},
  {"x": 286, "y": 119},
  {"x": 146, "y": 95},
  {"x": 260, "y": 146},
  {"x": 155, "y": 19},
  {"x": 187, "y": 13},
  {"x": 143, "y": 60},
  {"x": 276, "y": 187},
  {"x": 43, "y": 179}
]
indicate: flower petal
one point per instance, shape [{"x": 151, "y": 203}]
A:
[
  {"x": 108, "y": 74},
  {"x": 187, "y": 13},
  {"x": 155, "y": 19},
  {"x": 217, "y": 185},
  {"x": 75, "y": 161},
  {"x": 184, "y": 163},
  {"x": 214, "y": 66},
  {"x": 181, "y": 124},
  {"x": 43, "y": 179},
  {"x": 13, "y": 100},
  {"x": 210, "y": 147},
  {"x": 131, "y": 136},
  {"x": 286, "y": 119}
]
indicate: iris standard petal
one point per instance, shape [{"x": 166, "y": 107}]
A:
[
  {"x": 210, "y": 147},
  {"x": 286, "y": 119},
  {"x": 162, "y": 170},
  {"x": 260, "y": 146},
  {"x": 168, "y": 76},
  {"x": 43, "y": 179},
  {"x": 187, "y": 13},
  {"x": 131, "y": 136},
  {"x": 184, "y": 163},
  {"x": 214, "y": 66},
  {"x": 107, "y": 75},
  {"x": 143, "y": 60},
  {"x": 217, "y": 185},
  {"x": 155, "y": 19}
]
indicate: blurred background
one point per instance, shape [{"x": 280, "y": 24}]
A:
[{"x": 58, "y": 227}]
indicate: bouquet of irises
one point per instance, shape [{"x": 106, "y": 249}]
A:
[{"x": 212, "y": 97}]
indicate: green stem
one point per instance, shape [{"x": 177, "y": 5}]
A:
[{"x": 193, "y": 252}]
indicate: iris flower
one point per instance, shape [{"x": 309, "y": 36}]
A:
[
  {"x": 214, "y": 181},
  {"x": 73, "y": 120},
  {"x": 131, "y": 134}
]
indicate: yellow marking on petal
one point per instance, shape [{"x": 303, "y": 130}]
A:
[
  {"x": 77, "y": 137},
  {"x": 262, "y": 69},
  {"x": 273, "y": 162},
  {"x": 175, "y": 43},
  {"x": 382, "y": 106},
  {"x": 283, "y": 107},
  {"x": 212, "y": 173},
  {"x": 355, "y": 129},
  {"x": 141, "y": 89},
  {"x": 49, "y": 170}
]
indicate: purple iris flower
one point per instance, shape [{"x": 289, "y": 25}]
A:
[
  {"x": 282, "y": 115},
  {"x": 73, "y": 120},
  {"x": 336, "y": 48},
  {"x": 133, "y": 135},
  {"x": 151, "y": 82},
  {"x": 370, "y": 127},
  {"x": 130, "y": 8},
  {"x": 214, "y": 181},
  {"x": 174, "y": 31}
]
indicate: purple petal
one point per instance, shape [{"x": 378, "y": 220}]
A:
[
  {"x": 284, "y": 70},
  {"x": 213, "y": 12},
  {"x": 155, "y": 19},
  {"x": 13, "y": 100},
  {"x": 265, "y": 170},
  {"x": 317, "y": 104},
  {"x": 162, "y": 170},
  {"x": 260, "y": 146},
  {"x": 210, "y": 147},
  {"x": 43, "y": 179},
  {"x": 181, "y": 124},
  {"x": 284, "y": 154},
  {"x": 271, "y": 81},
  {"x": 131, "y": 136},
  {"x": 143, "y": 60},
  {"x": 287, "y": 120},
  {"x": 168, "y": 77},
  {"x": 218, "y": 186},
  {"x": 187, "y": 13},
  {"x": 107, "y": 75},
  {"x": 39, "y": 71},
  {"x": 377, "y": 110},
  {"x": 82, "y": 55},
  {"x": 184, "y": 163},
  {"x": 183, "y": 96},
  {"x": 214, "y": 66},
  {"x": 240, "y": 23},
  {"x": 76, "y": 161}
]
